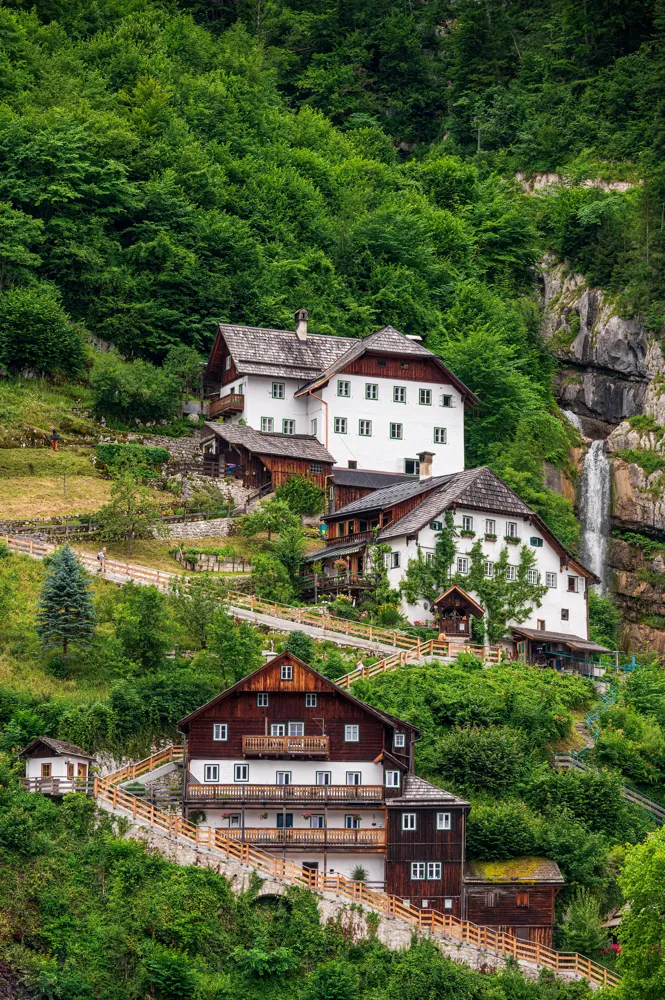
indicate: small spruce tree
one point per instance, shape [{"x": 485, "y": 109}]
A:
[{"x": 66, "y": 614}]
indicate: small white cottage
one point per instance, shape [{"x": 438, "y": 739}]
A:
[{"x": 55, "y": 767}]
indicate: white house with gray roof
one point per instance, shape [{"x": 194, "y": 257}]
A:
[{"x": 378, "y": 403}]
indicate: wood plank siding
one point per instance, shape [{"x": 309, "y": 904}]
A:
[
  {"x": 413, "y": 369},
  {"x": 282, "y": 469},
  {"x": 426, "y": 844},
  {"x": 533, "y": 922}
]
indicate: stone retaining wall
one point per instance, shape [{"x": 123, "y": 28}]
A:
[
  {"x": 184, "y": 449},
  {"x": 217, "y": 527}
]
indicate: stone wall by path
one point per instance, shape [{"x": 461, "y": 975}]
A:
[
  {"x": 217, "y": 527},
  {"x": 184, "y": 449}
]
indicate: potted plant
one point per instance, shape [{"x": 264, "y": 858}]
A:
[
  {"x": 512, "y": 539},
  {"x": 263, "y": 815},
  {"x": 341, "y": 566},
  {"x": 489, "y": 537},
  {"x": 306, "y": 815},
  {"x": 467, "y": 533}
]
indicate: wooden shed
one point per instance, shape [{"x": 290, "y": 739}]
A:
[
  {"x": 516, "y": 897},
  {"x": 455, "y": 609}
]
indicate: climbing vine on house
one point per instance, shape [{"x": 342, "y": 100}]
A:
[
  {"x": 504, "y": 600},
  {"x": 426, "y": 578}
]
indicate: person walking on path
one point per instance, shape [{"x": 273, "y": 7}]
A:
[
  {"x": 55, "y": 437},
  {"x": 101, "y": 559}
]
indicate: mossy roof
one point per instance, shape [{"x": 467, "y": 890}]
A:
[{"x": 517, "y": 870}]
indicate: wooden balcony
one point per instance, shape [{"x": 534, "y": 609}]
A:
[
  {"x": 306, "y": 794},
  {"x": 343, "y": 581},
  {"x": 285, "y": 746},
  {"x": 57, "y": 786},
  {"x": 327, "y": 838},
  {"x": 233, "y": 403}
]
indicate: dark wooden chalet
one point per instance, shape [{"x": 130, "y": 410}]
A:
[
  {"x": 559, "y": 650},
  {"x": 455, "y": 609},
  {"x": 516, "y": 897},
  {"x": 265, "y": 460}
]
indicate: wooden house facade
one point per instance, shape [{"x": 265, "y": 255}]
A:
[{"x": 516, "y": 896}]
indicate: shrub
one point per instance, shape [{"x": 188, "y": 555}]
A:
[
  {"x": 581, "y": 927},
  {"x": 37, "y": 334},
  {"x": 302, "y": 495},
  {"x": 492, "y": 758},
  {"x": 501, "y": 831},
  {"x": 135, "y": 458},
  {"x": 132, "y": 390},
  {"x": 301, "y": 645}
]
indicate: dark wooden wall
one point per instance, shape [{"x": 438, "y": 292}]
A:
[
  {"x": 282, "y": 469},
  {"x": 426, "y": 843},
  {"x": 416, "y": 370},
  {"x": 538, "y": 917}
]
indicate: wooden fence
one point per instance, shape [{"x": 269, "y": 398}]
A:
[
  {"x": 444, "y": 925},
  {"x": 566, "y": 760}
]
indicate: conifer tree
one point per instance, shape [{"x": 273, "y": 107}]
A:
[{"x": 66, "y": 614}]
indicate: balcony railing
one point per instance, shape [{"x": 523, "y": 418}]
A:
[
  {"x": 342, "y": 581},
  {"x": 280, "y": 746},
  {"x": 305, "y": 837},
  {"x": 319, "y": 794},
  {"x": 233, "y": 403},
  {"x": 57, "y": 786},
  {"x": 355, "y": 538}
]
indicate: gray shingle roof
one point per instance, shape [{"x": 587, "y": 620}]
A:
[
  {"x": 417, "y": 791},
  {"x": 279, "y": 353},
  {"x": 368, "y": 479},
  {"x": 404, "y": 490},
  {"x": 301, "y": 446},
  {"x": 58, "y": 746},
  {"x": 575, "y": 641}
]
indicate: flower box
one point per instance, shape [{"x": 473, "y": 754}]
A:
[
  {"x": 512, "y": 539},
  {"x": 467, "y": 534},
  {"x": 490, "y": 538}
]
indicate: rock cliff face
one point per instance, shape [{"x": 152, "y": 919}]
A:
[{"x": 638, "y": 582}]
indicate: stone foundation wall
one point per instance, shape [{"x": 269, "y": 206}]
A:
[
  {"x": 217, "y": 527},
  {"x": 184, "y": 449}
]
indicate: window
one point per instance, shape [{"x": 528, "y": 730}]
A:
[
  {"x": 316, "y": 468},
  {"x": 288, "y": 426},
  {"x": 412, "y": 466},
  {"x": 540, "y": 625},
  {"x": 565, "y": 615},
  {"x": 343, "y": 388},
  {"x": 220, "y": 731},
  {"x": 418, "y": 869},
  {"x": 399, "y": 394},
  {"x": 234, "y": 821},
  {"x": 396, "y": 432},
  {"x": 277, "y": 729},
  {"x": 286, "y": 672},
  {"x": 551, "y": 580},
  {"x": 316, "y": 822},
  {"x": 573, "y": 584},
  {"x": 408, "y": 821},
  {"x": 533, "y": 576},
  {"x": 511, "y": 572},
  {"x": 241, "y": 772},
  {"x": 352, "y": 464},
  {"x": 536, "y": 542},
  {"x": 211, "y": 772},
  {"x": 381, "y": 364},
  {"x": 283, "y": 777},
  {"x": 393, "y": 560},
  {"x": 340, "y": 425},
  {"x": 262, "y": 700},
  {"x": 392, "y": 779},
  {"x": 433, "y": 869},
  {"x": 489, "y": 569},
  {"x": 267, "y": 425},
  {"x": 490, "y": 526},
  {"x": 46, "y": 770},
  {"x": 296, "y": 728},
  {"x": 351, "y": 734},
  {"x": 310, "y": 701},
  {"x": 467, "y": 523},
  {"x": 447, "y": 904},
  {"x": 284, "y": 821},
  {"x": 323, "y": 777},
  {"x": 351, "y": 822},
  {"x": 425, "y": 397},
  {"x": 511, "y": 529},
  {"x": 443, "y": 821},
  {"x": 436, "y": 525},
  {"x": 365, "y": 428},
  {"x": 371, "y": 390},
  {"x": 354, "y": 778},
  {"x": 491, "y": 899},
  {"x": 314, "y": 426},
  {"x": 440, "y": 435},
  {"x": 462, "y": 565},
  {"x": 446, "y": 400},
  {"x": 522, "y": 900},
  {"x": 399, "y": 740},
  {"x": 227, "y": 362},
  {"x": 278, "y": 390}
]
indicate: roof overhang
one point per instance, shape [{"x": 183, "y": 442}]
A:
[{"x": 476, "y": 609}]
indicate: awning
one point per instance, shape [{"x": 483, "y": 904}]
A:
[{"x": 332, "y": 553}]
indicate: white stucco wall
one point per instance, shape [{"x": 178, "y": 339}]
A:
[
  {"x": 33, "y": 765},
  {"x": 263, "y": 772},
  {"x": 371, "y": 819},
  {"x": 547, "y": 561}
]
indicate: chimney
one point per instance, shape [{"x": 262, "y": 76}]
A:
[
  {"x": 301, "y": 324},
  {"x": 425, "y": 459}
]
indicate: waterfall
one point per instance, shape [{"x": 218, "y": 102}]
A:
[
  {"x": 573, "y": 419},
  {"x": 595, "y": 510}
]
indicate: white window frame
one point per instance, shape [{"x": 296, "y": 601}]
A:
[
  {"x": 533, "y": 576},
  {"x": 365, "y": 428},
  {"x": 490, "y": 526},
  {"x": 279, "y": 729},
  {"x": 300, "y": 726},
  {"x": 511, "y": 529},
  {"x": 279, "y": 390},
  {"x": 320, "y": 776},
  {"x": 267, "y": 425},
  {"x": 565, "y": 614},
  {"x": 317, "y": 822},
  {"x": 399, "y": 740},
  {"x": 234, "y": 821},
  {"x": 238, "y": 771},
  {"x": 288, "y": 426},
  {"x": 396, "y": 431},
  {"x": 354, "y": 778},
  {"x": 283, "y": 777},
  {"x": 489, "y": 569},
  {"x": 418, "y": 871},
  {"x": 416, "y": 466},
  {"x": 444, "y": 821},
  {"x": 551, "y": 579},
  {"x": 227, "y": 363},
  {"x": 448, "y": 903},
  {"x": 286, "y": 672},
  {"x": 393, "y": 560},
  {"x": 511, "y": 572},
  {"x": 371, "y": 391},
  {"x": 340, "y": 425},
  {"x": 399, "y": 394},
  {"x": 314, "y": 426},
  {"x": 408, "y": 821},
  {"x": 440, "y": 435},
  {"x": 352, "y": 733},
  {"x": 262, "y": 699},
  {"x": 310, "y": 701},
  {"x": 467, "y": 522},
  {"x": 351, "y": 822},
  {"x": 463, "y": 565},
  {"x": 220, "y": 732},
  {"x": 393, "y": 779},
  {"x": 210, "y": 774},
  {"x": 434, "y": 871},
  {"x": 425, "y": 397},
  {"x": 576, "y": 587},
  {"x": 343, "y": 388},
  {"x": 446, "y": 400}
]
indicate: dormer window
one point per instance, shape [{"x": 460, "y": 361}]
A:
[
  {"x": 286, "y": 672},
  {"x": 227, "y": 363}
]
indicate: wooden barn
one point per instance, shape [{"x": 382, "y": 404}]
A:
[
  {"x": 265, "y": 460},
  {"x": 516, "y": 896}
]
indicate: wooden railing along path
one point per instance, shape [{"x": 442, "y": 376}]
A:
[
  {"x": 446, "y": 926},
  {"x": 566, "y": 760}
]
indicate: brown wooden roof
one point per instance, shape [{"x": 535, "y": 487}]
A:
[
  {"x": 476, "y": 609},
  {"x": 302, "y": 446},
  {"x": 574, "y": 641},
  {"x": 59, "y": 748},
  {"x": 277, "y": 353}
]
